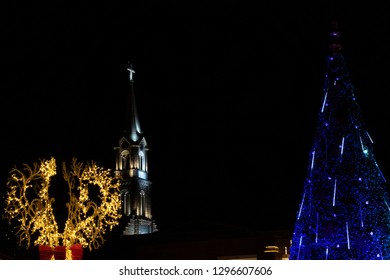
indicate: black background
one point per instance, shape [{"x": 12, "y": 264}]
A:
[{"x": 227, "y": 96}]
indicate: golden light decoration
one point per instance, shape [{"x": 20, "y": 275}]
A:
[{"x": 28, "y": 202}]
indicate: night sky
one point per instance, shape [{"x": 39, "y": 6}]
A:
[{"x": 227, "y": 100}]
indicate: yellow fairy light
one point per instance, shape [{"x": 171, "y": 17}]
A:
[{"x": 29, "y": 203}]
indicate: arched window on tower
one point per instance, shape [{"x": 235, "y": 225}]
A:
[
  {"x": 142, "y": 201},
  {"x": 125, "y": 159},
  {"x": 125, "y": 202},
  {"x": 141, "y": 160}
]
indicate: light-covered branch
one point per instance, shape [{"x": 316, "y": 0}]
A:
[{"x": 29, "y": 204}]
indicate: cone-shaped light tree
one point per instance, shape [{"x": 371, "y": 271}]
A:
[{"x": 345, "y": 209}]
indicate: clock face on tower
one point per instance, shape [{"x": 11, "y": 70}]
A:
[{"x": 125, "y": 145}]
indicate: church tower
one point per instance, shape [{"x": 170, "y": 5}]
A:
[{"x": 132, "y": 169}]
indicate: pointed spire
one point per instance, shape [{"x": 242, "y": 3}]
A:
[
  {"x": 135, "y": 128},
  {"x": 335, "y": 40}
]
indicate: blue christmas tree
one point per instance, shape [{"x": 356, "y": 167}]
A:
[{"x": 345, "y": 209}]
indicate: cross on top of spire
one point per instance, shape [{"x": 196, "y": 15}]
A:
[{"x": 131, "y": 71}]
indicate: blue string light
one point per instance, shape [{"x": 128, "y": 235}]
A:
[{"x": 347, "y": 217}]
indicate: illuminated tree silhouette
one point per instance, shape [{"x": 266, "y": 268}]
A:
[
  {"x": 28, "y": 202},
  {"x": 345, "y": 208}
]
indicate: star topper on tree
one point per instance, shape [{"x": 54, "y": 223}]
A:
[{"x": 29, "y": 204}]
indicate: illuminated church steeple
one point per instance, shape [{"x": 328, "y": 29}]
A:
[{"x": 132, "y": 169}]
